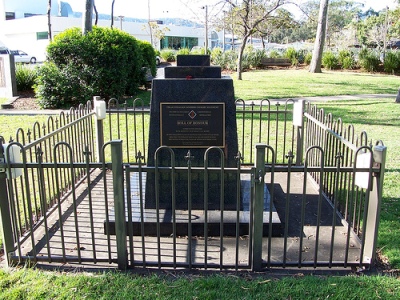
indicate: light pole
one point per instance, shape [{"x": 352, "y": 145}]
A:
[
  {"x": 206, "y": 25},
  {"x": 385, "y": 33},
  {"x": 223, "y": 31},
  {"x": 121, "y": 18}
]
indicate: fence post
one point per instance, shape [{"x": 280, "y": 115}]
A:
[
  {"x": 374, "y": 205},
  {"x": 298, "y": 121},
  {"x": 5, "y": 213},
  {"x": 119, "y": 203},
  {"x": 258, "y": 206},
  {"x": 100, "y": 110}
]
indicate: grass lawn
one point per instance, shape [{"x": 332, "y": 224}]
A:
[
  {"x": 275, "y": 84},
  {"x": 380, "y": 118},
  {"x": 29, "y": 284}
]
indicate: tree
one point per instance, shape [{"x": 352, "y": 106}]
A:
[
  {"x": 112, "y": 13},
  {"x": 49, "y": 19},
  {"x": 315, "y": 66},
  {"x": 87, "y": 17},
  {"x": 96, "y": 14},
  {"x": 249, "y": 15}
]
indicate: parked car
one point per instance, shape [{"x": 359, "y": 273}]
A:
[
  {"x": 4, "y": 50},
  {"x": 158, "y": 60},
  {"x": 23, "y": 57}
]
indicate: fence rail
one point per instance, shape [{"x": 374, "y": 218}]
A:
[{"x": 70, "y": 188}]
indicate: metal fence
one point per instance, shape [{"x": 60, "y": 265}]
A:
[{"x": 312, "y": 190}]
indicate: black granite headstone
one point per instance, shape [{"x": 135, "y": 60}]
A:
[
  {"x": 193, "y": 61},
  {"x": 202, "y": 91}
]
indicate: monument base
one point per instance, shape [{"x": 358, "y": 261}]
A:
[{"x": 231, "y": 218}]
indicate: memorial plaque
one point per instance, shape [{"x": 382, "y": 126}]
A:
[{"x": 192, "y": 125}]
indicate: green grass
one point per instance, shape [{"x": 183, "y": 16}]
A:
[
  {"x": 274, "y": 84},
  {"x": 29, "y": 284},
  {"x": 380, "y": 118},
  {"x": 3, "y": 100}
]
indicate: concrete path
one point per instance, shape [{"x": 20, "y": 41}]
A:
[{"x": 313, "y": 99}]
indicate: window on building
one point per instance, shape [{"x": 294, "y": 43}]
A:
[
  {"x": 27, "y": 15},
  {"x": 42, "y": 35},
  {"x": 177, "y": 42},
  {"x": 10, "y": 16}
]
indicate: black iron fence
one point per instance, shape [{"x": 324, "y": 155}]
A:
[{"x": 308, "y": 193}]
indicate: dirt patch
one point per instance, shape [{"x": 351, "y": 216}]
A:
[{"x": 26, "y": 100}]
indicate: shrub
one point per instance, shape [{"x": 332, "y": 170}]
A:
[
  {"x": 183, "y": 51},
  {"x": 370, "y": 61},
  {"x": 216, "y": 56},
  {"x": 308, "y": 58},
  {"x": 149, "y": 55},
  {"x": 226, "y": 60},
  {"x": 25, "y": 77},
  {"x": 199, "y": 51},
  {"x": 105, "y": 62},
  {"x": 343, "y": 54},
  {"x": 348, "y": 63},
  {"x": 391, "y": 62},
  {"x": 363, "y": 53},
  {"x": 274, "y": 54},
  {"x": 61, "y": 87},
  {"x": 346, "y": 59},
  {"x": 292, "y": 54},
  {"x": 301, "y": 55},
  {"x": 329, "y": 60},
  {"x": 168, "y": 54}
]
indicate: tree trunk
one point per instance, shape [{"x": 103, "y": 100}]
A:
[
  {"x": 240, "y": 56},
  {"x": 315, "y": 66},
  {"x": 112, "y": 13},
  {"x": 87, "y": 17},
  {"x": 49, "y": 19},
  {"x": 96, "y": 13}
]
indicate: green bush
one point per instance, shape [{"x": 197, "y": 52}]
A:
[
  {"x": 370, "y": 61},
  {"x": 149, "y": 55},
  {"x": 183, "y": 51},
  {"x": 61, "y": 87},
  {"x": 256, "y": 56},
  {"x": 308, "y": 58},
  {"x": 200, "y": 51},
  {"x": 343, "y": 54},
  {"x": 274, "y": 54},
  {"x": 226, "y": 60},
  {"x": 391, "y": 62},
  {"x": 292, "y": 54},
  {"x": 25, "y": 77},
  {"x": 329, "y": 60},
  {"x": 348, "y": 63},
  {"x": 168, "y": 54},
  {"x": 346, "y": 60},
  {"x": 104, "y": 62},
  {"x": 363, "y": 53},
  {"x": 216, "y": 55},
  {"x": 301, "y": 55}
]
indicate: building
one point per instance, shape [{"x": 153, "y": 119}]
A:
[{"x": 24, "y": 26}]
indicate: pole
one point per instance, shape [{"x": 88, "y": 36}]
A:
[
  {"x": 206, "y": 27},
  {"x": 119, "y": 203},
  {"x": 5, "y": 215},
  {"x": 121, "y": 18},
  {"x": 258, "y": 206}
]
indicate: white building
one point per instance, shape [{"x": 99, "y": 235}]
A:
[{"x": 24, "y": 26}]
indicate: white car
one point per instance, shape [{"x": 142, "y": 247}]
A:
[{"x": 23, "y": 57}]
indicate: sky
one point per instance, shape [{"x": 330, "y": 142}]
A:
[{"x": 186, "y": 9}]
